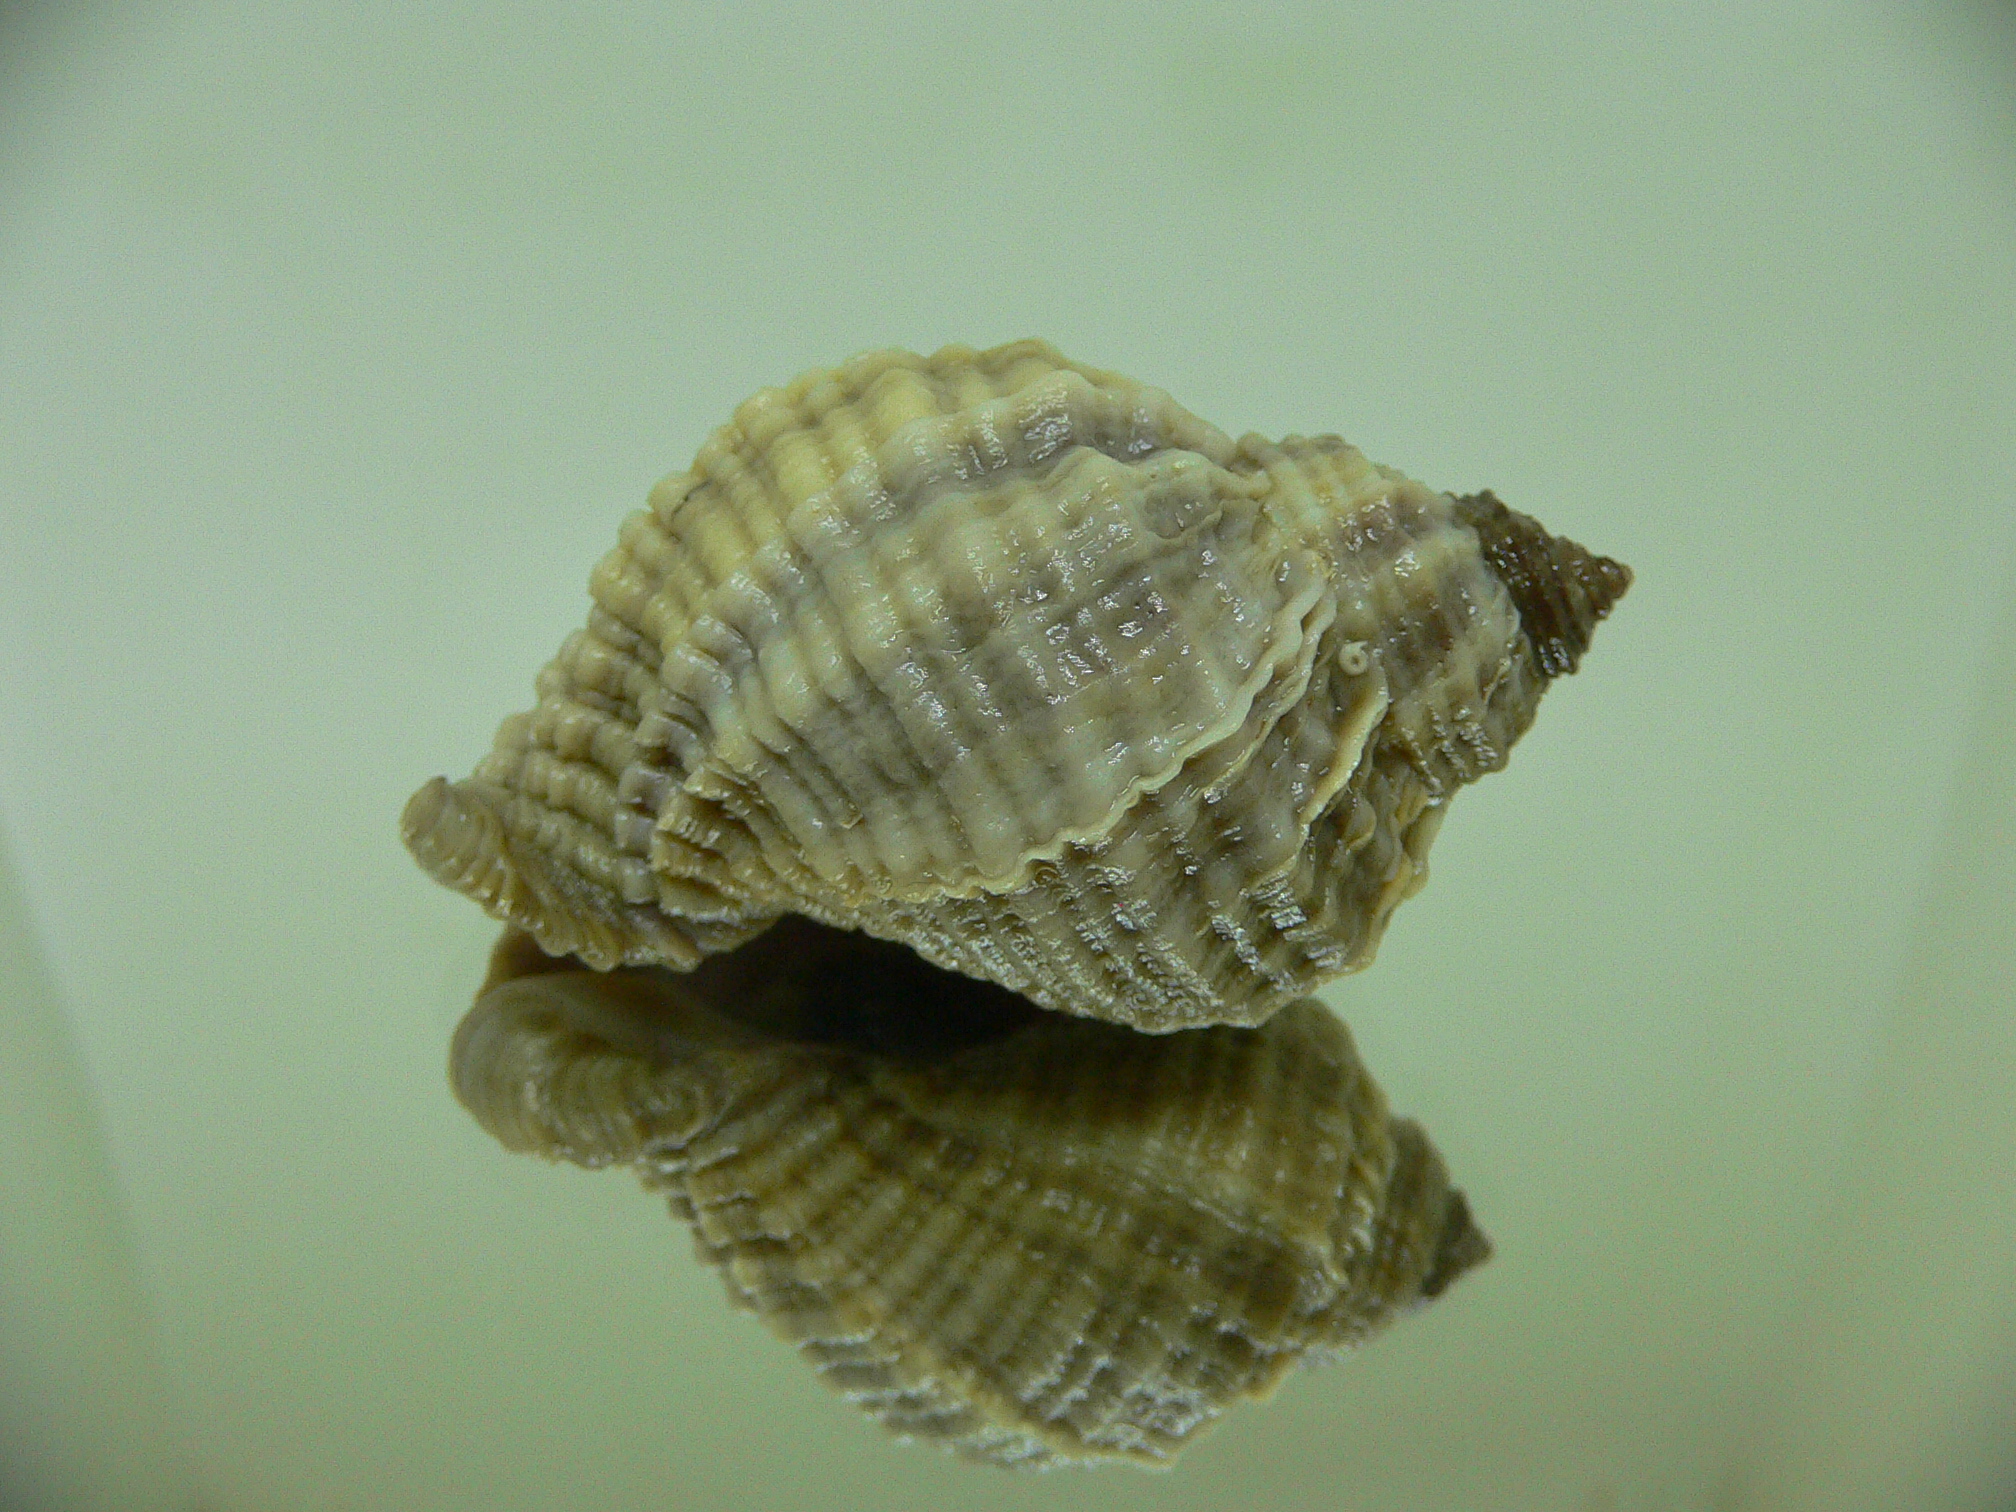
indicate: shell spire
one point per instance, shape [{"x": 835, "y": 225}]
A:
[
  {"x": 1018, "y": 662},
  {"x": 1560, "y": 589}
]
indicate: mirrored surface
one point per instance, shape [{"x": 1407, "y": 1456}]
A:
[{"x": 1034, "y": 1239}]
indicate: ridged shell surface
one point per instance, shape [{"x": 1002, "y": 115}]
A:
[
  {"x": 1020, "y": 663},
  {"x": 1031, "y": 1238}
]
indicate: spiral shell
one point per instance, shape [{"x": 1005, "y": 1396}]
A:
[
  {"x": 1032, "y": 1238},
  {"x": 1021, "y": 664}
]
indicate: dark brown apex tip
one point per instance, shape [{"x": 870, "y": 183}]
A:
[
  {"x": 1560, "y": 589},
  {"x": 1460, "y": 1247}
]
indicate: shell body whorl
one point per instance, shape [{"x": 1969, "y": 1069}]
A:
[{"x": 1019, "y": 663}]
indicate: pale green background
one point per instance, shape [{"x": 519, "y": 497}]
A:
[{"x": 334, "y": 344}]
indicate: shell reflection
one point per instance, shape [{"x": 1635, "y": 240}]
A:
[
  {"x": 1033, "y": 1238},
  {"x": 1020, "y": 663}
]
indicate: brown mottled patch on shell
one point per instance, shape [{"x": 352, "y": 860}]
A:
[
  {"x": 1032, "y": 1238},
  {"x": 1020, "y": 663}
]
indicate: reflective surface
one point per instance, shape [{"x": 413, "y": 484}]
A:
[{"x": 1034, "y": 1239}]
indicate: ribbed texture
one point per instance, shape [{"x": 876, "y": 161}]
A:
[
  {"x": 1560, "y": 589},
  {"x": 1043, "y": 1240},
  {"x": 1020, "y": 663}
]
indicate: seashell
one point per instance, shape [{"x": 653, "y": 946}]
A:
[
  {"x": 1032, "y": 1238},
  {"x": 1021, "y": 664}
]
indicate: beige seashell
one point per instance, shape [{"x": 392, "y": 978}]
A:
[
  {"x": 1019, "y": 663},
  {"x": 1032, "y": 1238}
]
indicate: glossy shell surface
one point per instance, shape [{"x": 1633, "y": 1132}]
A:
[
  {"x": 1031, "y": 1238},
  {"x": 1018, "y": 662}
]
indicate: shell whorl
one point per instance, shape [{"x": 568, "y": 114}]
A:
[
  {"x": 1031, "y": 1238},
  {"x": 1020, "y": 663},
  {"x": 1559, "y": 589}
]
